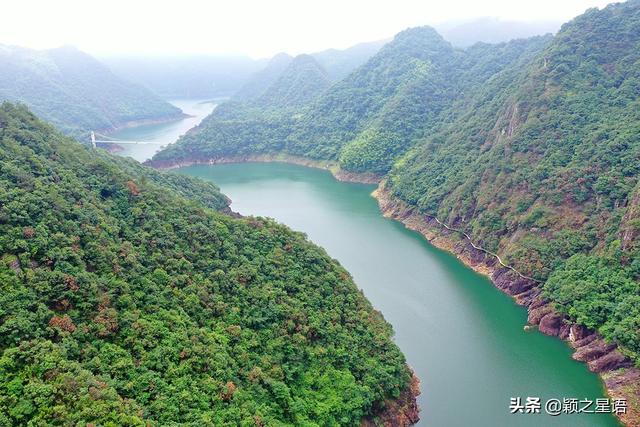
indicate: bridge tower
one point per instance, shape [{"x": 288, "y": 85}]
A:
[{"x": 93, "y": 139}]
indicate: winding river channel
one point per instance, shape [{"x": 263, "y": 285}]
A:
[{"x": 462, "y": 336}]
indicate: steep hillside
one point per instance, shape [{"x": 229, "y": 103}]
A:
[
  {"x": 127, "y": 300},
  {"x": 370, "y": 118},
  {"x": 350, "y": 105},
  {"x": 424, "y": 99},
  {"x": 261, "y": 80},
  {"x": 541, "y": 167},
  {"x": 75, "y": 92},
  {"x": 298, "y": 84}
]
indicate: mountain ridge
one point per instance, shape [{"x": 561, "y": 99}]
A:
[
  {"x": 130, "y": 297},
  {"x": 534, "y": 151},
  {"x": 76, "y": 92}
]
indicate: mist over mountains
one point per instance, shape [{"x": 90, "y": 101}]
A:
[
  {"x": 76, "y": 92},
  {"x": 203, "y": 76},
  {"x": 531, "y": 146},
  {"x": 134, "y": 296}
]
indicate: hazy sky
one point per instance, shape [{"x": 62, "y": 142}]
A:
[{"x": 252, "y": 27}]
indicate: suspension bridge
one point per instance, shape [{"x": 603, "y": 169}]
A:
[{"x": 97, "y": 138}]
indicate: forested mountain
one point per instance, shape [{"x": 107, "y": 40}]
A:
[
  {"x": 300, "y": 83},
  {"x": 128, "y": 299},
  {"x": 543, "y": 164},
  {"x": 532, "y": 147},
  {"x": 74, "y": 91},
  {"x": 367, "y": 119},
  {"x": 261, "y": 80},
  {"x": 339, "y": 63},
  {"x": 243, "y": 78},
  {"x": 336, "y": 63},
  {"x": 186, "y": 76},
  {"x": 416, "y": 57}
]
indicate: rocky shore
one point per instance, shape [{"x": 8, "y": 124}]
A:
[
  {"x": 400, "y": 412},
  {"x": 620, "y": 377}
]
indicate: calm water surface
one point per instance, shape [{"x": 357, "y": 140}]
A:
[
  {"x": 165, "y": 133},
  {"x": 463, "y": 337}
]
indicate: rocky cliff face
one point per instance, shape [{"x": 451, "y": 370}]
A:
[
  {"x": 400, "y": 412},
  {"x": 621, "y": 378},
  {"x": 630, "y": 226}
]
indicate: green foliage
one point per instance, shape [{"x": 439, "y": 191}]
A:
[
  {"x": 75, "y": 92},
  {"x": 532, "y": 147},
  {"x": 372, "y": 150},
  {"x": 263, "y": 79},
  {"x": 298, "y": 84},
  {"x": 366, "y": 121},
  {"x": 596, "y": 292},
  {"x": 126, "y": 300},
  {"x": 552, "y": 148}
]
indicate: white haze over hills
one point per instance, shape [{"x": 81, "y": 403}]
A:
[
  {"x": 198, "y": 48},
  {"x": 193, "y": 76},
  {"x": 493, "y": 30},
  {"x": 254, "y": 28}
]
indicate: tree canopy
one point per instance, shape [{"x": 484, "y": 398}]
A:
[
  {"x": 532, "y": 147},
  {"x": 75, "y": 92},
  {"x": 129, "y": 297}
]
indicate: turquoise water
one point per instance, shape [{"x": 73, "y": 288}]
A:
[{"x": 463, "y": 337}]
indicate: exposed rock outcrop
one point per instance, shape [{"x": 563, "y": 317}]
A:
[
  {"x": 604, "y": 358},
  {"x": 630, "y": 226},
  {"x": 621, "y": 379},
  {"x": 400, "y": 412}
]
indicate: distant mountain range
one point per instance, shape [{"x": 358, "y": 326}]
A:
[
  {"x": 75, "y": 92},
  {"x": 202, "y": 76},
  {"x": 493, "y": 30},
  {"x": 194, "y": 76},
  {"x": 219, "y": 76}
]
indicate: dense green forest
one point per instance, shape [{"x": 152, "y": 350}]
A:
[
  {"x": 530, "y": 146},
  {"x": 261, "y": 80},
  {"x": 364, "y": 121},
  {"x": 129, "y": 297},
  {"x": 74, "y": 91},
  {"x": 299, "y": 83},
  {"x": 543, "y": 164}
]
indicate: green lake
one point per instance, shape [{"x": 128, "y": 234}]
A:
[{"x": 462, "y": 336}]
